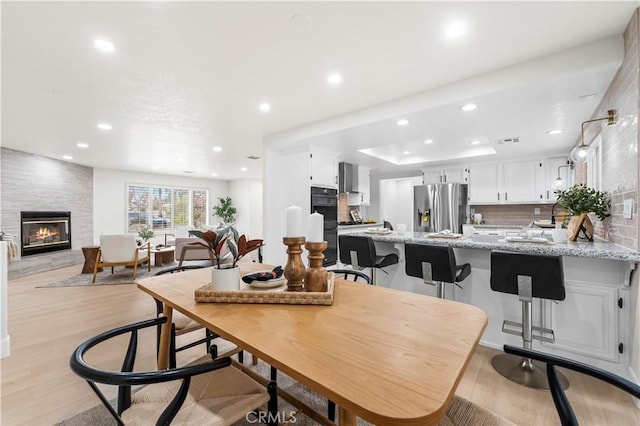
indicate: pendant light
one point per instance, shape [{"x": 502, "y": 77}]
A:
[{"x": 580, "y": 153}]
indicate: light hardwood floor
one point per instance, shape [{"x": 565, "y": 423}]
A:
[{"x": 46, "y": 324}]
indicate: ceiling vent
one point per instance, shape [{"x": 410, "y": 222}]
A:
[{"x": 514, "y": 139}]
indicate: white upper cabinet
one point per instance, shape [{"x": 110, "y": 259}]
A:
[
  {"x": 484, "y": 184},
  {"x": 520, "y": 181},
  {"x": 516, "y": 182},
  {"x": 364, "y": 185},
  {"x": 323, "y": 168},
  {"x": 363, "y": 196},
  {"x": 448, "y": 175}
]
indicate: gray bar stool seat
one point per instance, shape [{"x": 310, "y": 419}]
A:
[
  {"x": 528, "y": 276},
  {"x": 360, "y": 252},
  {"x": 436, "y": 265}
]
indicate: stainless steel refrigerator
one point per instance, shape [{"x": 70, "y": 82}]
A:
[{"x": 440, "y": 206}]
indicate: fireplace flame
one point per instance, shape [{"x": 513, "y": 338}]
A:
[{"x": 44, "y": 233}]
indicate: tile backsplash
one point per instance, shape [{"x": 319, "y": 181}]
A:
[{"x": 519, "y": 215}]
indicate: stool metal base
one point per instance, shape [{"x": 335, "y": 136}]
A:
[{"x": 525, "y": 371}]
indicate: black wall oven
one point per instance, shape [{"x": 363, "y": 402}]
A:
[{"x": 325, "y": 202}]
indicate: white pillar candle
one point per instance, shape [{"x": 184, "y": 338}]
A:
[
  {"x": 315, "y": 229},
  {"x": 294, "y": 227}
]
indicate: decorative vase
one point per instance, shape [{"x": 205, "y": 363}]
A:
[
  {"x": 225, "y": 278},
  {"x": 578, "y": 223}
]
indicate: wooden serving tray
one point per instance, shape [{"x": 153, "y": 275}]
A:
[{"x": 248, "y": 294}]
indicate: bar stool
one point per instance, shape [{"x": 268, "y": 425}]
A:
[
  {"x": 528, "y": 276},
  {"x": 360, "y": 252},
  {"x": 436, "y": 265}
]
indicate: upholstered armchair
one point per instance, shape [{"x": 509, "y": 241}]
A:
[{"x": 121, "y": 250}]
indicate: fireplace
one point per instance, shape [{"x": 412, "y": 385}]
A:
[{"x": 44, "y": 232}]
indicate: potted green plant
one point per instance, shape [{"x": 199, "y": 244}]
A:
[
  {"x": 225, "y": 274},
  {"x": 225, "y": 210},
  {"x": 146, "y": 234},
  {"x": 579, "y": 200}
]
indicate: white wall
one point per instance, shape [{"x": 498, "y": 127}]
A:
[
  {"x": 247, "y": 198},
  {"x": 109, "y": 196},
  {"x": 286, "y": 183},
  {"x": 396, "y": 200}
]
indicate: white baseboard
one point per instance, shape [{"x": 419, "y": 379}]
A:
[
  {"x": 634, "y": 378},
  {"x": 5, "y": 346}
]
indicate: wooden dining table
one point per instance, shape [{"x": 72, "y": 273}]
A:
[{"x": 387, "y": 356}]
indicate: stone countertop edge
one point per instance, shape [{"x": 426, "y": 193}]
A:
[
  {"x": 360, "y": 225},
  {"x": 599, "y": 249}
]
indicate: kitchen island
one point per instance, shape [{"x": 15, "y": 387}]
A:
[{"x": 591, "y": 325}]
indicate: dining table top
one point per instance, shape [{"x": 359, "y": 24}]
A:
[{"x": 387, "y": 356}]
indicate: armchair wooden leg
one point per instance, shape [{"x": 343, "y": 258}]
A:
[
  {"x": 95, "y": 266},
  {"x": 135, "y": 270}
]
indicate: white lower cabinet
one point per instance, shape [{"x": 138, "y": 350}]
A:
[{"x": 586, "y": 322}]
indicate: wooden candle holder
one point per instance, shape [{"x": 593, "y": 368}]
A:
[
  {"x": 294, "y": 270},
  {"x": 316, "y": 277}
]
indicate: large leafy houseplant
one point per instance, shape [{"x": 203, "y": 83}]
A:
[
  {"x": 225, "y": 210},
  {"x": 238, "y": 245},
  {"x": 579, "y": 200}
]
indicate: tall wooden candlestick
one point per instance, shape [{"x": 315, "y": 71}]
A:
[
  {"x": 294, "y": 269},
  {"x": 316, "y": 277}
]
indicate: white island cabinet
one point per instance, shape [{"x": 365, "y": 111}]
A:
[{"x": 592, "y": 325}]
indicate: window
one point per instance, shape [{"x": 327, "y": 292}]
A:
[
  {"x": 594, "y": 164},
  {"x": 161, "y": 208}
]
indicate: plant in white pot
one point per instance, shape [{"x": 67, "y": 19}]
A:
[{"x": 227, "y": 247}]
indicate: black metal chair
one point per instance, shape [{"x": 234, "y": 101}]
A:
[
  {"x": 215, "y": 391},
  {"x": 436, "y": 265},
  {"x": 560, "y": 400},
  {"x": 351, "y": 274},
  {"x": 182, "y": 325},
  {"x": 360, "y": 252},
  {"x": 527, "y": 276}
]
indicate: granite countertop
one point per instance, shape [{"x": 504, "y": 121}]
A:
[{"x": 599, "y": 249}]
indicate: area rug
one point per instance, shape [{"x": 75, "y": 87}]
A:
[
  {"x": 99, "y": 415},
  {"x": 121, "y": 275}
]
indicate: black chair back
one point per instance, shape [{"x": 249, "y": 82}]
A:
[
  {"x": 363, "y": 246},
  {"x": 546, "y": 272},
  {"x": 442, "y": 259},
  {"x": 560, "y": 400}
]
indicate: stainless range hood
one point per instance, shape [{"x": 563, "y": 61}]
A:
[{"x": 347, "y": 178}]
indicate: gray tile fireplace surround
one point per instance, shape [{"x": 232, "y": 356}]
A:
[{"x": 35, "y": 183}]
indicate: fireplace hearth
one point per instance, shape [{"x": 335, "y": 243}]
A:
[{"x": 44, "y": 232}]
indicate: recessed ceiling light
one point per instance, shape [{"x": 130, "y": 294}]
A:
[
  {"x": 468, "y": 107},
  {"x": 476, "y": 142},
  {"x": 217, "y": 149},
  {"x": 406, "y": 152},
  {"x": 104, "y": 126},
  {"x": 82, "y": 145},
  {"x": 428, "y": 141},
  {"x": 554, "y": 132},
  {"x": 154, "y": 167},
  {"x": 244, "y": 169},
  {"x": 104, "y": 46},
  {"x": 402, "y": 122},
  {"x": 67, "y": 157},
  {"x": 334, "y": 79},
  {"x": 181, "y": 160},
  {"x": 214, "y": 174},
  {"x": 265, "y": 107},
  {"x": 454, "y": 30}
]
